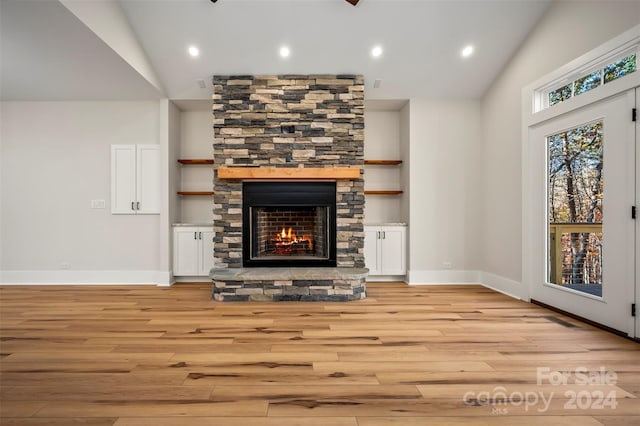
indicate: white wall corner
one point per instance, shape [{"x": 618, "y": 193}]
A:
[
  {"x": 165, "y": 279},
  {"x": 164, "y": 230},
  {"x": 504, "y": 285},
  {"x": 500, "y": 284}
]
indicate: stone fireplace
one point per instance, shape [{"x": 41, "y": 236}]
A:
[{"x": 273, "y": 136}]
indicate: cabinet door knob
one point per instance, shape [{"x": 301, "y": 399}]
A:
[
  {"x": 200, "y": 235},
  {"x": 384, "y": 235},
  {"x": 138, "y": 205},
  {"x": 132, "y": 206},
  {"x": 195, "y": 235}
]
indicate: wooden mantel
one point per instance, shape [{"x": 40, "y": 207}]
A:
[{"x": 288, "y": 173}]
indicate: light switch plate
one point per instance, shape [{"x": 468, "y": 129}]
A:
[{"x": 98, "y": 204}]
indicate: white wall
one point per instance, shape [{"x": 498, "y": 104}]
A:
[
  {"x": 175, "y": 129},
  {"x": 382, "y": 142},
  {"x": 405, "y": 155},
  {"x": 55, "y": 159},
  {"x": 405, "y": 174},
  {"x": 196, "y": 141},
  {"x": 169, "y": 130},
  {"x": 568, "y": 30},
  {"x": 108, "y": 21},
  {"x": 444, "y": 144},
  {"x": 1, "y": 187}
]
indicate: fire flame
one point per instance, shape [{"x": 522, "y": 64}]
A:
[{"x": 287, "y": 238}]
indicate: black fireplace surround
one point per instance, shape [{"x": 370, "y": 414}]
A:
[{"x": 289, "y": 224}]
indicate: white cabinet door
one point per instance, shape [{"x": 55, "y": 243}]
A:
[
  {"x": 123, "y": 179},
  {"x": 392, "y": 248},
  {"x": 384, "y": 250},
  {"x": 135, "y": 179},
  {"x": 185, "y": 251},
  {"x": 206, "y": 252},
  {"x": 371, "y": 252},
  {"x": 192, "y": 251},
  {"x": 148, "y": 179}
]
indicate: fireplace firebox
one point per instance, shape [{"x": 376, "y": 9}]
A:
[{"x": 289, "y": 224}]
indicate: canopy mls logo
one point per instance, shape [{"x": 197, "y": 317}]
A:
[
  {"x": 499, "y": 398},
  {"x": 596, "y": 390}
]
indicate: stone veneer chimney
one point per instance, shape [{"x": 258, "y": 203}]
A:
[{"x": 288, "y": 121}]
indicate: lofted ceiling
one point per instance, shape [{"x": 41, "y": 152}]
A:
[
  {"x": 47, "y": 54},
  {"x": 50, "y": 54}
]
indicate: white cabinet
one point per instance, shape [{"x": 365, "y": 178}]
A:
[
  {"x": 135, "y": 179},
  {"x": 192, "y": 250},
  {"x": 384, "y": 249}
]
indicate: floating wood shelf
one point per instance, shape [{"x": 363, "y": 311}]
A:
[
  {"x": 376, "y": 192},
  {"x": 195, "y": 192},
  {"x": 196, "y": 161},
  {"x": 288, "y": 173},
  {"x": 382, "y": 162}
]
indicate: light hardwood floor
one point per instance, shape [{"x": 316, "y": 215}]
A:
[{"x": 405, "y": 356}]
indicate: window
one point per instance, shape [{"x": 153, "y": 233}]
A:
[
  {"x": 587, "y": 83},
  {"x": 620, "y": 68},
  {"x": 561, "y": 94},
  {"x": 608, "y": 71}
]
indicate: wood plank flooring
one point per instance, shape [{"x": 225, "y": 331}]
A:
[{"x": 405, "y": 356}]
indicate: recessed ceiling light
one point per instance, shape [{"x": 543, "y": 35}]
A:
[
  {"x": 467, "y": 51},
  {"x": 285, "y": 52},
  {"x": 194, "y": 51},
  {"x": 376, "y": 51}
]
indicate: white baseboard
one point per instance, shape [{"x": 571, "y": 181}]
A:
[
  {"x": 62, "y": 277},
  {"x": 436, "y": 277},
  {"x": 504, "y": 285},
  {"x": 164, "y": 279},
  {"x": 446, "y": 276},
  {"x": 194, "y": 279},
  {"x": 386, "y": 278}
]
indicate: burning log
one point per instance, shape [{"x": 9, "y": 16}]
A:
[{"x": 287, "y": 242}]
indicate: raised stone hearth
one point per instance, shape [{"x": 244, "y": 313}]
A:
[{"x": 289, "y": 284}]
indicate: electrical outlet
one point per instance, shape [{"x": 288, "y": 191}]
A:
[
  {"x": 98, "y": 204},
  {"x": 65, "y": 265},
  {"x": 447, "y": 265}
]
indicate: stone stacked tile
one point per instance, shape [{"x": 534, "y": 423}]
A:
[
  {"x": 288, "y": 121},
  {"x": 289, "y": 290},
  {"x": 289, "y": 284}
]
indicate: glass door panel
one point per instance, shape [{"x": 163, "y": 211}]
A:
[{"x": 575, "y": 192}]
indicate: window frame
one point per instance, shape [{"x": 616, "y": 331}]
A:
[
  {"x": 542, "y": 94},
  {"x": 533, "y": 94}
]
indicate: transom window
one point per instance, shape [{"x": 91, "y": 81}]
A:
[{"x": 579, "y": 82}]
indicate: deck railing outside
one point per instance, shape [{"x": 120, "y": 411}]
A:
[{"x": 558, "y": 253}]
